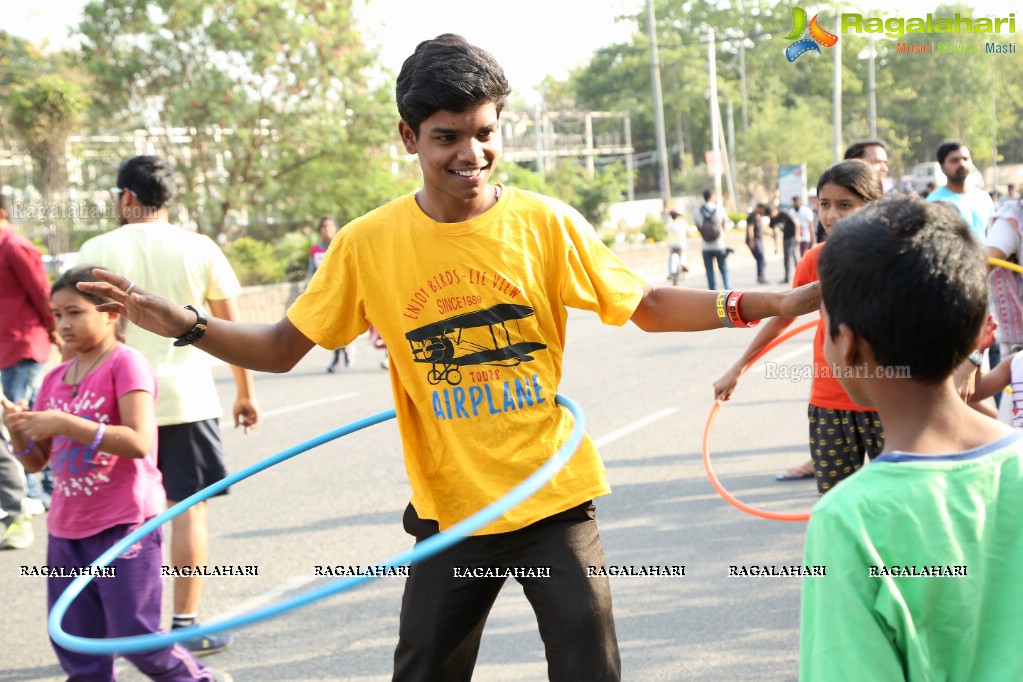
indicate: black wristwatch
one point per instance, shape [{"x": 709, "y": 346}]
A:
[{"x": 196, "y": 332}]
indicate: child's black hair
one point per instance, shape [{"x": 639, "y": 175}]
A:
[
  {"x": 83, "y": 273},
  {"x": 908, "y": 277},
  {"x": 450, "y": 74},
  {"x": 855, "y": 175}
]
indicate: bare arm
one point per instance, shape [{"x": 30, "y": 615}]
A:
[
  {"x": 769, "y": 331},
  {"x": 665, "y": 309},
  {"x": 273, "y": 347},
  {"x": 992, "y": 252},
  {"x": 994, "y": 381},
  {"x": 246, "y": 410}
]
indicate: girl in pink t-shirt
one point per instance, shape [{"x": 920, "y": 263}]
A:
[{"x": 94, "y": 422}]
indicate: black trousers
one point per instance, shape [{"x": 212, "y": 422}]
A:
[{"x": 445, "y": 606}]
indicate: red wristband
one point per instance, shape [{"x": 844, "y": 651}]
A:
[{"x": 733, "y": 310}]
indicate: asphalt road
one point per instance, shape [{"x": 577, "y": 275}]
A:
[{"x": 646, "y": 397}]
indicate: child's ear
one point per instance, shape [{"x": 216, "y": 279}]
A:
[{"x": 848, "y": 345}]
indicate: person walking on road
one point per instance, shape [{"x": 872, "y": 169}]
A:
[
  {"x": 710, "y": 221},
  {"x": 169, "y": 260},
  {"x": 781, "y": 220}
]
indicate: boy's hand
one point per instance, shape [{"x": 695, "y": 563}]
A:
[
  {"x": 802, "y": 300},
  {"x": 36, "y": 425},
  {"x": 246, "y": 414},
  {"x": 148, "y": 311}
]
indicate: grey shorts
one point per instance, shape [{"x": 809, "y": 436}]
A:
[{"x": 190, "y": 458}]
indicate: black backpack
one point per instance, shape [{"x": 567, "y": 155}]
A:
[{"x": 708, "y": 227}]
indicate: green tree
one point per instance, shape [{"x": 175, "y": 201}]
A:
[
  {"x": 274, "y": 96},
  {"x": 45, "y": 111}
]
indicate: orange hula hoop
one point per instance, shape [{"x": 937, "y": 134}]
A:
[
  {"x": 712, "y": 477},
  {"x": 712, "y": 417}
]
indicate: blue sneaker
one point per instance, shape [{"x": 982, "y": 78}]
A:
[{"x": 208, "y": 644}]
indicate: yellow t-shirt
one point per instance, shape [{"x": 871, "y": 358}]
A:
[
  {"x": 182, "y": 266},
  {"x": 474, "y": 318}
]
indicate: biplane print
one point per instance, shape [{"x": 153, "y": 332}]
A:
[{"x": 491, "y": 336}]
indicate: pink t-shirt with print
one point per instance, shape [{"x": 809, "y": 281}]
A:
[{"x": 93, "y": 491}]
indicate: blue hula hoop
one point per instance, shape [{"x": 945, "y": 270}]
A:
[{"x": 419, "y": 552}]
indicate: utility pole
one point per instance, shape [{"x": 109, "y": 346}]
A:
[
  {"x": 715, "y": 115},
  {"x": 538, "y": 130},
  {"x": 655, "y": 79},
  {"x": 837, "y": 97},
  {"x": 745, "y": 107},
  {"x": 871, "y": 91}
]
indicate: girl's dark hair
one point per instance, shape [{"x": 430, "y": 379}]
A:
[
  {"x": 83, "y": 273},
  {"x": 855, "y": 175},
  {"x": 323, "y": 219},
  {"x": 450, "y": 74}
]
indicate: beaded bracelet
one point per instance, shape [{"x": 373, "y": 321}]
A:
[
  {"x": 99, "y": 437},
  {"x": 719, "y": 305},
  {"x": 21, "y": 453}
]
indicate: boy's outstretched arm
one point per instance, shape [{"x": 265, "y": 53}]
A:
[
  {"x": 675, "y": 309},
  {"x": 273, "y": 347}
]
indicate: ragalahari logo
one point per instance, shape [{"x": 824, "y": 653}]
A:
[{"x": 818, "y": 36}]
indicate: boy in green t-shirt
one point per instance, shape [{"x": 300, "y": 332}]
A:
[{"x": 921, "y": 549}]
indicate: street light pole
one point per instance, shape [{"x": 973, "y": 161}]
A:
[
  {"x": 715, "y": 112},
  {"x": 837, "y": 99}
]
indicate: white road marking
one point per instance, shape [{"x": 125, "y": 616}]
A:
[
  {"x": 762, "y": 366},
  {"x": 306, "y": 405},
  {"x": 634, "y": 426}
]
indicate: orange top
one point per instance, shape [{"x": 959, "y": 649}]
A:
[{"x": 825, "y": 391}]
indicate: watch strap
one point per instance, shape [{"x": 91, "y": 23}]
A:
[{"x": 196, "y": 332}]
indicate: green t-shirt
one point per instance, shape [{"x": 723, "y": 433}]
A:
[{"x": 922, "y": 557}]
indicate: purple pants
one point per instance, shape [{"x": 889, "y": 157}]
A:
[{"x": 128, "y": 604}]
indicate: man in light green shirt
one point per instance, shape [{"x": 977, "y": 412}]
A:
[{"x": 187, "y": 266}]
